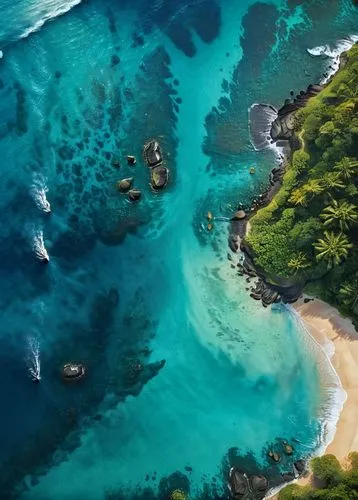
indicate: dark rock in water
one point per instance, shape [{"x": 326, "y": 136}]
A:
[
  {"x": 287, "y": 448},
  {"x": 58, "y": 74},
  {"x": 153, "y": 153},
  {"x": 259, "y": 484},
  {"x": 238, "y": 483},
  {"x": 288, "y": 476},
  {"x": 300, "y": 466},
  {"x": 274, "y": 456},
  {"x": 131, "y": 160},
  {"x": 73, "y": 371},
  {"x": 159, "y": 177},
  {"x": 125, "y": 184},
  {"x": 239, "y": 215},
  {"x": 134, "y": 195},
  {"x": 233, "y": 243}
]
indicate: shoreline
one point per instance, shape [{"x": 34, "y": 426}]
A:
[{"x": 325, "y": 324}]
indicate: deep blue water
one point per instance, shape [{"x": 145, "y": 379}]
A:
[{"x": 220, "y": 378}]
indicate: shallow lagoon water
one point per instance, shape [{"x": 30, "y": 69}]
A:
[{"x": 148, "y": 282}]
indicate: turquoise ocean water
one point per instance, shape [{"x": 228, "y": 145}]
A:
[{"x": 186, "y": 375}]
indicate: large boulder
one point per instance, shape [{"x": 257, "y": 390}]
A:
[
  {"x": 134, "y": 195},
  {"x": 238, "y": 483},
  {"x": 159, "y": 177},
  {"x": 300, "y": 466},
  {"x": 125, "y": 184},
  {"x": 259, "y": 484},
  {"x": 239, "y": 215},
  {"x": 287, "y": 448},
  {"x": 153, "y": 154},
  {"x": 73, "y": 371}
]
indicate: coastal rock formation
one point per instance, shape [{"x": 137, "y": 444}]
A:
[
  {"x": 134, "y": 195},
  {"x": 259, "y": 485},
  {"x": 299, "y": 467},
  {"x": 125, "y": 184},
  {"x": 153, "y": 154},
  {"x": 238, "y": 483},
  {"x": 283, "y": 125},
  {"x": 73, "y": 371},
  {"x": 159, "y": 177}
]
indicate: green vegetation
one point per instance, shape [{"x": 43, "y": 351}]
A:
[
  {"x": 309, "y": 231},
  {"x": 335, "y": 483}
]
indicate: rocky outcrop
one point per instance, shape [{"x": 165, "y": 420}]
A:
[
  {"x": 73, "y": 371},
  {"x": 159, "y": 177},
  {"x": 259, "y": 485},
  {"x": 124, "y": 185},
  {"x": 275, "y": 457},
  {"x": 239, "y": 215},
  {"x": 131, "y": 160},
  {"x": 238, "y": 483},
  {"x": 153, "y": 154},
  {"x": 299, "y": 467},
  {"x": 134, "y": 195},
  {"x": 287, "y": 448},
  {"x": 283, "y": 126}
]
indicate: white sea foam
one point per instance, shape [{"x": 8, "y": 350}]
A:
[
  {"x": 38, "y": 244},
  {"x": 260, "y": 128},
  {"x": 334, "y": 396},
  {"x": 56, "y": 10},
  {"x": 333, "y": 53},
  {"x": 33, "y": 357},
  {"x": 38, "y": 192}
]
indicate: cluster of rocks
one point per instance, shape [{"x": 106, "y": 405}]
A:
[
  {"x": 243, "y": 486},
  {"x": 276, "y": 457},
  {"x": 283, "y": 126},
  {"x": 159, "y": 174},
  {"x": 125, "y": 185}
]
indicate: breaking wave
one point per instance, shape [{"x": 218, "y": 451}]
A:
[{"x": 332, "y": 53}]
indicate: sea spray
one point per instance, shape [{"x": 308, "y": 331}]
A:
[
  {"x": 333, "y": 54},
  {"x": 33, "y": 357},
  {"x": 261, "y": 118},
  {"x": 38, "y": 192},
  {"x": 38, "y": 245}
]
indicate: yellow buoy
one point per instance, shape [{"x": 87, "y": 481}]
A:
[
  {"x": 252, "y": 170},
  {"x": 209, "y": 216}
]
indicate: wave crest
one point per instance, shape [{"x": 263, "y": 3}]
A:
[
  {"x": 38, "y": 192},
  {"x": 333, "y": 53}
]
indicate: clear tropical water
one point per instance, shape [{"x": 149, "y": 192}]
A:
[{"x": 186, "y": 375}]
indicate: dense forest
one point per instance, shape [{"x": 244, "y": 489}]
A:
[
  {"x": 309, "y": 231},
  {"x": 331, "y": 481}
]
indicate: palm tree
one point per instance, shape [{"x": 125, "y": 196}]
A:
[
  {"x": 298, "y": 262},
  {"x": 332, "y": 180},
  {"x": 341, "y": 212},
  {"x": 349, "y": 293},
  {"x": 314, "y": 186},
  {"x": 298, "y": 197},
  {"x": 333, "y": 248},
  {"x": 347, "y": 167}
]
